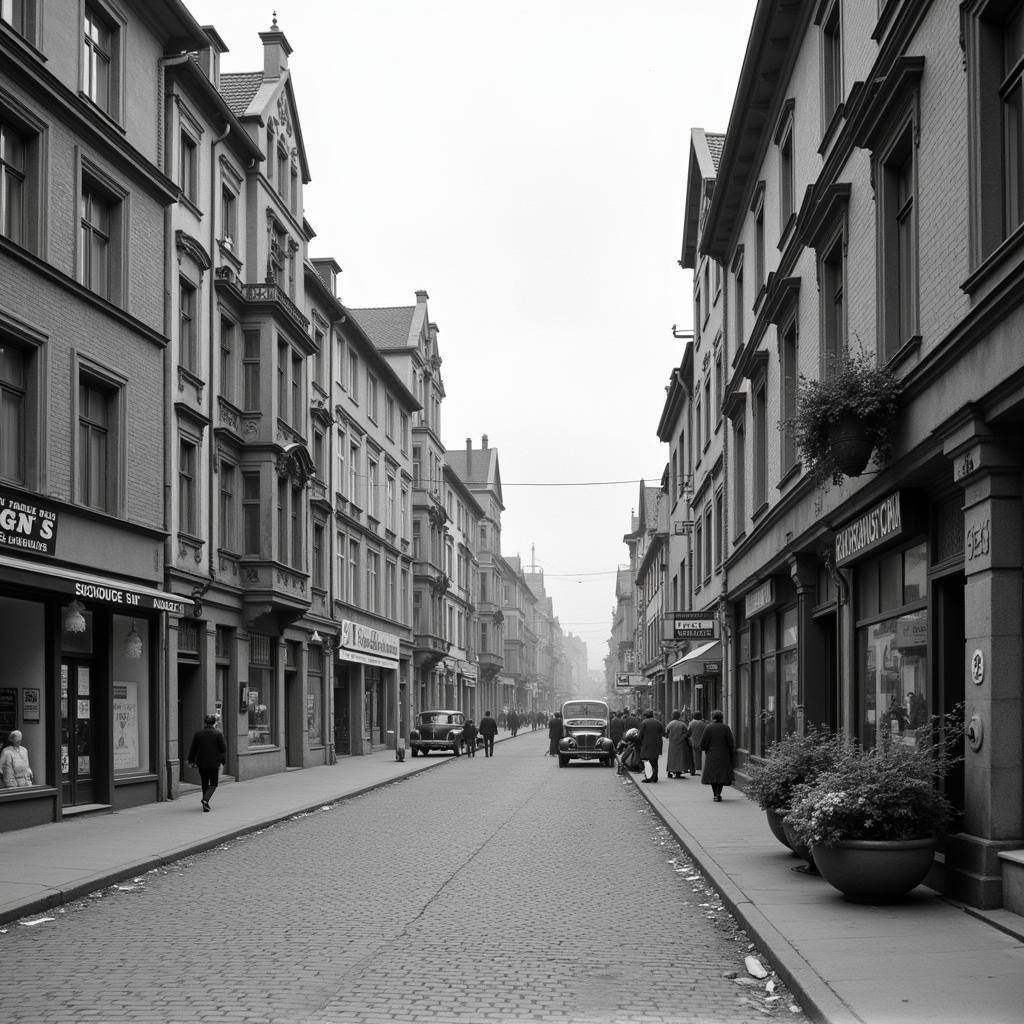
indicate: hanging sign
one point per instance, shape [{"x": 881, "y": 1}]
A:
[{"x": 28, "y": 525}]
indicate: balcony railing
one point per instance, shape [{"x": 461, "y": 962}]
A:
[{"x": 270, "y": 291}]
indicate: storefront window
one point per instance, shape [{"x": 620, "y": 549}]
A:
[
  {"x": 314, "y": 697},
  {"x": 131, "y": 696},
  {"x": 260, "y": 690},
  {"x": 23, "y": 699},
  {"x": 790, "y": 692},
  {"x": 892, "y": 651},
  {"x": 744, "y": 690}
]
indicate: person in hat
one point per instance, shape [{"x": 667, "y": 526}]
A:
[{"x": 207, "y": 753}]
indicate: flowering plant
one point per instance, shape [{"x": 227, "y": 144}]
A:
[
  {"x": 886, "y": 793},
  {"x": 789, "y": 762},
  {"x": 857, "y": 388}
]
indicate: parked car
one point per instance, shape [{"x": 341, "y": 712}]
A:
[
  {"x": 586, "y": 733},
  {"x": 439, "y": 729}
]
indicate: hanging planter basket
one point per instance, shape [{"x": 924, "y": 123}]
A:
[{"x": 850, "y": 445}]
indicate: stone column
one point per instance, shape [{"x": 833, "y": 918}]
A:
[{"x": 988, "y": 468}]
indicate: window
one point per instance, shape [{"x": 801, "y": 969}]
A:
[
  {"x": 760, "y": 456},
  {"x": 760, "y": 270},
  {"x": 389, "y": 417},
  {"x": 404, "y": 433},
  {"x": 787, "y": 169},
  {"x": 188, "y": 167},
  {"x": 341, "y": 446},
  {"x": 719, "y": 528},
  {"x": 831, "y": 62},
  {"x": 298, "y": 391},
  {"x": 709, "y": 557},
  {"x": 389, "y": 512},
  {"x": 898, "y": 258},
  {"x": 294, "y": 205},
  {"x": 371, "y": 396},
  {"x": 833, "y": 312},
  {"x": 228, "y": 528},
  {"x": 391, "y": 607},
  {"x": 251, "y": 371},
  {"x": 282, "y": 519},
  {"x": 251, "y": 512},
  {"x": 13, "y": 400},
  {"x": 739, "y": 456},
  {"x": 99, "y": 61},
  {"x": 94, "y": 242},
  {"x": 707, "y": 411},
  {"x": 340, "y": 569},
  {"x": 318, "y": 356},
  {"x": 353, "y": 474},
  {"x": 353, "y": 572},
  {"x": 228, "y": 359},
  {"x": 12, "y": 183},
  {"x": 282, "y": 379},
  {"x": 278, "y": 255},
  {"x": 13, "y": 12},
  {"x": 416, "y": 468},
  {"x": 739, "y": 302},
  {"x": 371, "y": 488},
  {"x": 788, "y": 384},
  {"x": 719, "y": 383},
  {"x": 698, "y": 420},
  {"x": 698, "y": 552},
  {"x": 353, "y": 375},
  {"x": 188, "y": 339},
  {"x": 188, "y": 493},
  {"x": 319, "y": 447},
  {"x": 314, "y": 696},
  {"x": 372, "y": 581},
  {"x": 228, "y": 216},
  {"x": 99, "y": 443},
  {"x": 318, "y": 555},
  {"x": 260, "y": 693},
  {"x": 282, "y": 173}
]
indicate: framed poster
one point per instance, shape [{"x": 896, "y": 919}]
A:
[
  {"x": 30, "y": 704},
  {"x": 126, "y": 725},
  {"x": 8, "y": 710}
]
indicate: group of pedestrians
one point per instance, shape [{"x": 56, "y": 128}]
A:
[
  {"x": 697, "y": 745},
  {"x": 486, "y": 730}
]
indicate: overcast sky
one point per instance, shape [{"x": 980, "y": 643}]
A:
[{"x": 525, "y": 164}]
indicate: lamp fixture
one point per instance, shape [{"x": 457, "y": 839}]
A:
[
  {"x": 132, "y": 645},
  {"x": 74, "y": 617},
  {"x": 316, "y": 638}
]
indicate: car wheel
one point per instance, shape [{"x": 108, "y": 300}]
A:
[
  {"x": 563, "y": 762},
  {"x": 424, "y": 751}
]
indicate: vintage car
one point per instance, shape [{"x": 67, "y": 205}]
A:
[
  {"x": 586, "y": 733},
  {"x": 437, "y": 730}
]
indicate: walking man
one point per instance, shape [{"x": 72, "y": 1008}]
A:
[
  {"x": 488, "y": 730},
  {"x": 207, "y": 753},
  {"x": 652, "y": 732}
]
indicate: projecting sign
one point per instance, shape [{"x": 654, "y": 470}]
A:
[
  {"x": 627, "y": 680},
  {"x": 690, "y": 626}
]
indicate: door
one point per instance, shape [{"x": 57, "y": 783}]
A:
[
  {"x": 342, "y": 732},
  {"x": 77, "y": 733}
]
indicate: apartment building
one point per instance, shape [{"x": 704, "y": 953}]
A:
[
  {"x": 519, "y": 611},
  {"x": 84, "y": 345},
  {"x": 867, "y": 199}
]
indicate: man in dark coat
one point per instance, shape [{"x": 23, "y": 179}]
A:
[
  {"x": 556, "y": 730},
  {"x": 696, "y": 733},
  {"x": 513, "y": 722},
  {"x": 652, "y": 732},
  {"x": 718, "y": 746},
  {"x": 207, "y": 753},
  {"x": 616, "y": 727},
  {"x": 488, "y": 730}
]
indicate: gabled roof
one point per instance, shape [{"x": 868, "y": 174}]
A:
[
  {"x": 700, "y": 179},
  {"x": 238, "y": 89},
  {"x": 389, "y": 327},
  {"x": 478, "y": 469}
]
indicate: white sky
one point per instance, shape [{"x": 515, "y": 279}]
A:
[{"x": 525, "y": 163}]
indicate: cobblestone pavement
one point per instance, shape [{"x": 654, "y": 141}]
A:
[{"x": 496, "y": 889}]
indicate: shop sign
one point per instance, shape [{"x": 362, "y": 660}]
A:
[
  {"x": 761, "y": 598},
  {"x": 27, "y": 525},
  {"x": 712, "y": 668},
  {"x": 627, "y": 680},
  {"x": 107, "y": 593},
  {"x": 876, "y": 527},
  {"x": 358, "y": 639},
  {"x": 690, "y": 626}
]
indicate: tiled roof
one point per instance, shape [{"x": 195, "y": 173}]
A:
[
  {"x": 715, "y": 144},
  {"x": 388, "y": 326},
  {"x": 238, "y": 90}
]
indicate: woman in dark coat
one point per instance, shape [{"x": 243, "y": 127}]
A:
[
  {"x": 556, "y": 731},
  {"x": 718, "y": 746},
  {"x": 696, "y": 731}
]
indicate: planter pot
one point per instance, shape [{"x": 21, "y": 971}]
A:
[
  {"x": 775, "y": 824},
  {"x": 850, "y": 448},
  {"x": 802, "y": 851},
  {"x": 875, "y": 871}
]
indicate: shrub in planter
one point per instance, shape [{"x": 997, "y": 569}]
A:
[
  {"x": 854, "y": 404},
  {"x": 788, "y": 763}
]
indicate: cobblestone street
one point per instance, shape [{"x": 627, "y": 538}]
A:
[{"x": 490, "y": 889}]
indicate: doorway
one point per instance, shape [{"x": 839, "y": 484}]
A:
[
  {"x": 342, "y": 726},
  {"x": 78, "y": 732}
]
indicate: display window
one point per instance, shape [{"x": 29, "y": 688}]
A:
[
  {"x": 768, "y": 680},
  {"x": 130, "y": 692},
  {"x": 314, "y": 697},
  {"x": 892, "y": 646},
  {"x": 24, "y": 752},
  {"x": 260, "y": 701}
]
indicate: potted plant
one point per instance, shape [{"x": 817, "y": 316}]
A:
[
  {"x": 872, "y": 819},
  {"x": 788, "y": 763},
  {"x": 845, "y": 416}
]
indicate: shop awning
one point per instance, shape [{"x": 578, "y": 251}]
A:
[
  {"x": 91, "y": 588},
  {"x": 692, "y": 664}
]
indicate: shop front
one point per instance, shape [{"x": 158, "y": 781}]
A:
[
  {"x": 369, "y": 665},
  {"x": 82, "y": 687}
]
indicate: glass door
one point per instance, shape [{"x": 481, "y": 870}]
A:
[{"x": 76, "y": 733}]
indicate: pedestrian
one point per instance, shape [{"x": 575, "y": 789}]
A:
[
  {"x": 207, "y": 753},
  {"x": 556, "y": 730},
  {"x": 469, "y": 732},
  {"x": 695, "y": 731},
  {"x": 15, "y": 770},
  {"x": 615, "y": 729},
  {"x": 718, "y": 744},
  {"x": 652, "y": 732},
  {"x": 513, "y": 722},
  {"x": 488, "y": 730},
  {"x": 678, "y": 745}
]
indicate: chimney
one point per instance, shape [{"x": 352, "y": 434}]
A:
[
  {"x": 469, "y": 444},
  {"x": 209, "y": 56},
  {"x": 483, "y": 442},
  {"x": 275, "y": 51}
]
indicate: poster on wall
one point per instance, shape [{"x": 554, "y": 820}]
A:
[
  {"x": 126, "y": 725},
  {"x": 30, "y": 704},
  {"x": 8, "y": 710}
]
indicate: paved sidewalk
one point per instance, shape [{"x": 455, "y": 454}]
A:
[{"x": 923, "y": 960}]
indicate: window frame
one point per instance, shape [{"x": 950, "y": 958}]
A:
[
  {"x": 104, "y": 15},
  {"x": 92, "y": 376}
]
